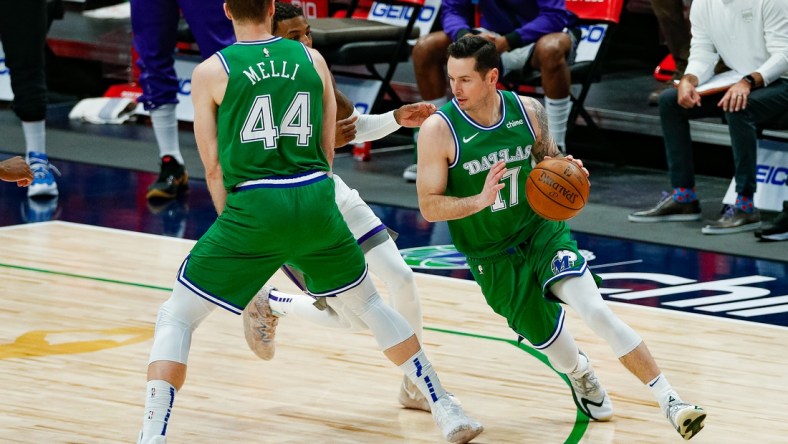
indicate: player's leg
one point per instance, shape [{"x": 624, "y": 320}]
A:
[
  {"x": 581, "y": 293},
  {"x": 154, "y": 27},
  {"x": 341, "y": 271},
  {"x": 177, "y": 319},
  {"x": 381, "y": 253},
  {"x": 400, "y": 345},
  {"x": 514, "y": 291},
  {"x": 23, "y": 28},
  {"x": 551, "y": 57}
]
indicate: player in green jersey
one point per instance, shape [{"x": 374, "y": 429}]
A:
[
  {"x": 380, "y": 251},
  {"x": 264, "y": 117},
  {"x": 475, "y": 154}
]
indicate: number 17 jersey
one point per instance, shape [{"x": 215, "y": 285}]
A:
[
  {"x": 509, "y": 220},
  {"x": 270, "y": 119}
]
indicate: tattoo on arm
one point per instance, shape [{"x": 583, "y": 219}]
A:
[{"x": 544, "y": 144}]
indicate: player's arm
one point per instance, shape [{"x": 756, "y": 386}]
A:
[
  {"x": 329, "y": 107},
  {"x": 377, "y": 126},
  {"x": 436, "y": 152},
  {"x": 209, "y": 82},
  {"x": 544, "y": 145}
]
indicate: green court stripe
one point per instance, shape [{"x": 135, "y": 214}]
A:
[
  {"x": 581, "y": 421},
  {"x": 90, "y": 278}
]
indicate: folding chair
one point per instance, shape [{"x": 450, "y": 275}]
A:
[
  {"x": 597, "y": 20},
  {"x": 355, "y": 41}
]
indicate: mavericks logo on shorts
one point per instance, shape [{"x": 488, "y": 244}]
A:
[
  {"x": 562, "y": 261},
  {"x": 436, "y": 257}
]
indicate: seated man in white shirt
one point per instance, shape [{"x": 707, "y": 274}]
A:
[{"x": 750, "y": 37}]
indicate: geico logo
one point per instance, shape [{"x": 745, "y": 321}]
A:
[
  {"x": 185, "y": 86},
  {"x": 362, "y": 108},
  {"x": 593, "y": 33},
  {"x": 309, "y": 8},
  {"x": 3, "y": 69},
  {"x": 771, "y": 174},
  {"x": 401, "y": 12}
]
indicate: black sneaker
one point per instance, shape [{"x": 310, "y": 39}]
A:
[
  {"x": 668, "y": 210},
  {"x": 778, "y": 230},
  {"x": 172, "y": 182},
  {"x": 733, "y": 220}
]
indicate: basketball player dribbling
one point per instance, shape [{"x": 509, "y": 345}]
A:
[{"x": 475, "y": 155}]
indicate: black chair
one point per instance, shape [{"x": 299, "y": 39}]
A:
[
  {"x": 598, "y": 21},
  {"x": 352, "y": 41}
]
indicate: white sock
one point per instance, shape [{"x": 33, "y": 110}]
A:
[
  {"x": 159, "y": 398},
  {"x": 557, "y": 116},
  {"x": 165, "y": 127},
  {"x": 35, "y": 136},
  {"x": 303, "y": 306},
  {"x": 662, "y": 390},
  {"x": 419, "y": 370}
]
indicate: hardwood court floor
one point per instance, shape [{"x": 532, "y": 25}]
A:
[{"x": 77, "y": 317}]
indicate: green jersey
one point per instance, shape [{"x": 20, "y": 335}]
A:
[
  {"x": 270, "y": 119},
  {"x": 509, "y": 220}
]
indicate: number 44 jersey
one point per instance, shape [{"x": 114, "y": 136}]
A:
[{"x": 270, "y": 119}]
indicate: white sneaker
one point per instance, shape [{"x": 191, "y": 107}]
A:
[
  {"x": 260, "y": 325},
  {"x": 411, "y": 398},
  {"x": 589, "y": 395},
  {"x": 455, "y": 425},
  {"x": 410, "y": 173},
  {"x": 687, "y": 419},
  {"x": 43, "y": 184}
]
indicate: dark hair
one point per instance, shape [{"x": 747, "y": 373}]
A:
[
  {"x": 254, "y": 11},
  {"x": 285, "y": 11},
  {"x": 482, "y": 50}
]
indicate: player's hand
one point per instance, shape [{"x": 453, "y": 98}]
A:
[
  {"x": 577, "y": 162},
  {"x": 414, "y": 114},
  {"x": 688, "y": 95},
  {"x": 492, "y": 185},
  {"x": 16, "y": 170},
  {"x": 346, "y": 131},
  {"x": 735, "y": 98}
]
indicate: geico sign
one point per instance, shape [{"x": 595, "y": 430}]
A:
[
  {"x": 771, "y": 174},
  {"x": 380, "y": 10}
]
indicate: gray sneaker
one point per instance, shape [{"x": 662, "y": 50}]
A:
[
  {"x": 668, "y": 210},
  {"x": 260, "y": 325},
  {"x": 687, "y": 419},
  {"x": 734, "y": 220}
]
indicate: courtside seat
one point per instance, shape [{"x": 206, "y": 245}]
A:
[
  {"x": 353, "y": 41},
  {"x": 348, "y": 41}
]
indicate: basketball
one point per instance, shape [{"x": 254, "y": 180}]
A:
[{"x": 557, "y": 189}]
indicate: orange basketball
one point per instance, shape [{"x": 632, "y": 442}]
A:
[{"x": 557, "y": 189}]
